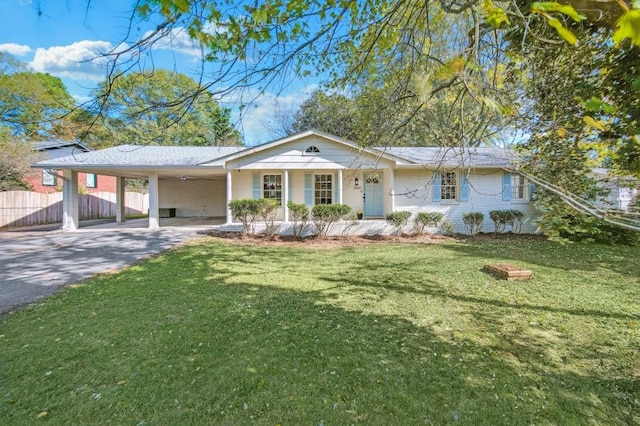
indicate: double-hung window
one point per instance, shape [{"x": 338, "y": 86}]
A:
[
  {"x": 518, "y": 187},
  {"x": 272, "y": 187},
  {"x": 323, "y": 189},
  {"x": 449, "y": 186}
]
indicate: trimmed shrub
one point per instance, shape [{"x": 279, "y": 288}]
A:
[
  {"x": 399, "y": 220},
  {"x": 267, "y": 209},
  {"x": 245, "y": 210},
  {"x": 446, "y": 227},
  {"x": 473, "y": 222},
  {"x": 299, "y": 215},
  {"x": 325, "y": 215},
  {"x": 424, "y": 219},
  {"x": 502, "y": 218}
]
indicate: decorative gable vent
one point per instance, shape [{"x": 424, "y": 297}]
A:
[{"x": 312, "y": 150}]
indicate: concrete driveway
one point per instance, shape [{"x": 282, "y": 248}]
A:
[{"x": 36, "y": 262}]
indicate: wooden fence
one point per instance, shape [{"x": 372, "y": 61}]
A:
[{"x": 24, "y": 208}]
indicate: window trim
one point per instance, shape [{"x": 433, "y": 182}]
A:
[
  {"x": 265, "y": 191},
  {"x": 95, "y": 180},
  {"x": 311, "y": 150},
  {"x": 328, "y": 191},
  {"x": 519, "y": 192},
  {"x": 455, "y": 185},
  {"x": 52, "y": 174}
]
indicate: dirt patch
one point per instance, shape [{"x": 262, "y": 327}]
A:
[{"x": 331, "y": 242}]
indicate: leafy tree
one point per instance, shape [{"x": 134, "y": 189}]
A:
[
  {"x": 15, "y": 160},
  {"x": 330, "y": 113},
  {"x": 163, "y": 108},
  {"x": 30, "y": 103}
]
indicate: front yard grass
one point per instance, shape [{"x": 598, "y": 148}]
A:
[{"x": 224, "y": 333}]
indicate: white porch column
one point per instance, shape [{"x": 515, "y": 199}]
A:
[
  {"x": 285, "y": 196},
  {"x": 70, "y": 212},
  {"x": 229, "y": 197},
  {"x": 340, "y": 186},
  {"x": 120, "y": 213},
  {"x": 154, "y": 205},
  {"x": 392, "y": 191}
]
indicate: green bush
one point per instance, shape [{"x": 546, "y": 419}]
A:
[
  {"x": 299, "y": 214},
  {"x": 446, "y": 227},
  {"x": 502, "y": 218},
  {"x": 246, "y": 210},
  {"x": 424, "y": 219},
  {"x": 267, "y": 209},
  {"x": 473, "y": 222},
  {"x": 325, "y": 215},
  {"x": 398, "y": 220},
  {"x": 580, "y": 227}
]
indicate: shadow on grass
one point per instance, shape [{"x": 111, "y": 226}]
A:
[
  {"x": 550, "y": 254},
  {"x": 186, "y": 338}
]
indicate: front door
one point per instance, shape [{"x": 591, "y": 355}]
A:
[{"x": 373, "y": 194}]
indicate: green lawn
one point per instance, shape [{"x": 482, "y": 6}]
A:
[{"x": 223, "y": 333}]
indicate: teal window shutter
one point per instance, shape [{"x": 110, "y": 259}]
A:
[
  {"x": 308, "y": 189},
  {"x": 437, "y": 186},
  {"x": 289, "y": 188},
  {"x": 532, "y": 190},
  {"x": 257, "y": 191},
  {"x": 464, "y": 187},
  {"x": 506, "y": 186}
]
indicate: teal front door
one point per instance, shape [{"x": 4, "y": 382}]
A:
[{"x": 373, "y": 194}]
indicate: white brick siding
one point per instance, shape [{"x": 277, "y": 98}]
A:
[
  {"x": 194, "y": 197},
  {"x": 414, "y": 193}
]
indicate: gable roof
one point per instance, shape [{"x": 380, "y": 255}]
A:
[
  {"x": 154, "y": 156},
  {"x": 57, "y": 144},
  {"x": 297, "y": 136}
]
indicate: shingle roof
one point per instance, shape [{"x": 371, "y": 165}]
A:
[
  {"x": 135, "y": 155},
  {"x": 54, "y": 144},
  {"x": 177, "y": 156},
  {"x": 452, "y": 157}
]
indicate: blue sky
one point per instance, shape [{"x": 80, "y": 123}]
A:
[{"x": 61, "y": 37}]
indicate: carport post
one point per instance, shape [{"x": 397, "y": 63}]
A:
[
  {"x": 340, "y": 201},
  {"x": 120, "y": 213},
  {"x": 229, "y": 186},
  {"x": 70, "y": 216},
  {"x": 285, "y": 194},
  {"x": 154, "y": 205}
]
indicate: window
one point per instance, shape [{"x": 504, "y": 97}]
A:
[
  {"x": 92, "y": 180},
  {"x": 323, "y": 189},
  {"x": 272, "y": 187},
  {"x": 518, "y": 191},
  {"x": 449, "y": 186},
  {"x": 312, "y": 150},
  {"x": 49, "y": 177}
]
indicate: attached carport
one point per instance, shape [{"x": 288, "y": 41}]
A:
[{"x": 176, "y": 179}]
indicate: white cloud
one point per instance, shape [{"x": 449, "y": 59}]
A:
[
  {"x": 81, "y": 60},
  {"x": 177, "y": 40},
  {"x": 258, "y": 117},
  {"x": 15, "y": 49}
]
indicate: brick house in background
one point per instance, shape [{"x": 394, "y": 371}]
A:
[{"x": 46, "y": 181}]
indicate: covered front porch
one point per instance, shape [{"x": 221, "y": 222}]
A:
[{"x": 206, "y": 193}]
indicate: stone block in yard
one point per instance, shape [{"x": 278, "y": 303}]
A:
[{"x": 508, "y": 272}]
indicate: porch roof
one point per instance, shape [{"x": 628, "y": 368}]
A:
[{"x": 141, "y": 156}]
